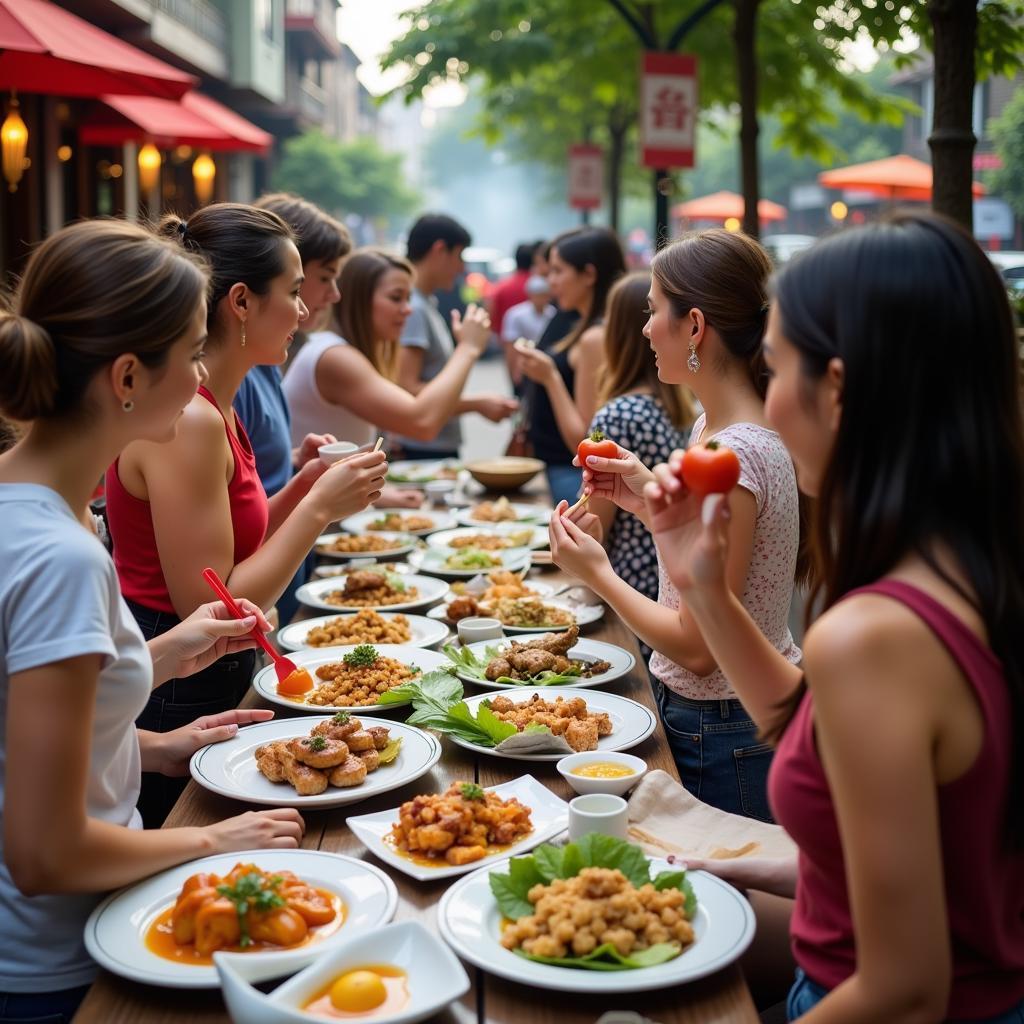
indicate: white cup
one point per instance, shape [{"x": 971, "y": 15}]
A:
[
  {"x": 438, "y": 491},
  {"x": 598, "y": 812},
  {"x": 474, "y": 629},
  {"x": 336, "y": 451}
]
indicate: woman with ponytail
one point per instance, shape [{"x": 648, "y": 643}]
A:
[
  {"x": 707, "y": 311},
  {"x": 198, "y": 501},
  {"x": 102, "y": 349}
]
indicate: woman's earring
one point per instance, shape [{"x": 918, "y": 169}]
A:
[
  {"x": 243, "y": 334},
  {"x": 127, "y": 405},
  {"x": 694, "y": 361}
]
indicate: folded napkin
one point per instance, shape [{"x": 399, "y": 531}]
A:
[{"x": 665, "y": 818}]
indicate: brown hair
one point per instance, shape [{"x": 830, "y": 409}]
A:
[
  {"x": 629, "y": 359},
  {"x": 725, "y": 275},
  {"x": 318, "y": 235},
  {"x": 353, "y": 312},
  {"x": 241, "y": 244},
  {"x": 91, "y": 292}
]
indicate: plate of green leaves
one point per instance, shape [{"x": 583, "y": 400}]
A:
[{"x": 476, "y": 911}]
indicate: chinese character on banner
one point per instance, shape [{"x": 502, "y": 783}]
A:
[
  {"x": 668, "y": 110},
  {"x": 586, "y": 176}
]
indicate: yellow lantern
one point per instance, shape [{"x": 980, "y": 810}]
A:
[
  {"x": 149, "y": 166},
  {"x": 204, "y": 170},
  {"x": 14, "y": 138}
]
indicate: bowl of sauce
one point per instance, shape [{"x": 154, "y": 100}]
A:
[{"x": 602, "y": 771}]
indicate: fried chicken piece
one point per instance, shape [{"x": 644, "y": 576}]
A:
[
  {"x": 370, "y": 758},
  {"x": 183, "y": 917},
  {"x": 359, "y": 741},
  {"x": 603, "y": 722},
  {"x": 464, "y": 854},
  {"x": 268, "y": 760},
  {"x": 381, "y": 736},
  {"x": 363, "y": 579},
  {"x": 497, "y": 668},
  {"x": 462, "y": 608},
  {"x": 336, "y": 730},
  {"x": 500, "y": 704},
  {"x": 311, "y": 904},
  {"x": 351, "y": 773},
  {"x": 307, "y": 781},
  {"x": 562, "y": 664},
  {"x": 531, "y": 661},
  {"x": 581, "y": 735},
  {"x": 216, "y": 926},
  {"x": 330, "y": 754},
  {"x": 556, "y": 643}
]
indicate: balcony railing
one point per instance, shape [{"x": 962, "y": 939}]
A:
[
  {"x": 319, "y": 15},
  {"x": 201, "y": 17}
]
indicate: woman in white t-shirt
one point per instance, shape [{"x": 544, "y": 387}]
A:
[{"x": 103, "y": 348}]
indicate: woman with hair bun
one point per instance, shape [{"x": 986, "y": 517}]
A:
[
  {"x": 707, "y": 311},
  {"x": 102, "y": 349},
  {"x": 198, "y": 501}
]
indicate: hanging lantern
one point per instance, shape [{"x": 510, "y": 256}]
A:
[
  {"x": 14, "y": 138},
  {"x": 149, "y": 166},
  {"x": 204, "y": 170}
]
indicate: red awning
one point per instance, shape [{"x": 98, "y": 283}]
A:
[
  {"x": 894, "y": 177},
  {"x": 725, "y": 205},
  {"x": 194, "y": 120},
  {"x": 45, "y": 49}
]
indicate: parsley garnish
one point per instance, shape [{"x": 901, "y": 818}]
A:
[
  {"x": 252, "y": 891},
  {"x": 362, "y": 656},
  {"x": 471, "y": 791},
  {"x": 317, "y": 743},
  {"x": 341, "y": 718}
]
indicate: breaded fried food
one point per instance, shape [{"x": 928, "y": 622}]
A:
[
  {"x": 364, "y": 579},
  {"x": 339, "y": 727},
  {"x": 359, "y": 741},
  {"x": 307, "y": 781},
  {"x": 381, "y": 736},
  {"x": 370, "y": 758},
  {"x": 268, "y": 760},
  {"x": 556, "y": 643},
  {"x": 318, "y": 751},
  {"x": 351, "y": 773}
]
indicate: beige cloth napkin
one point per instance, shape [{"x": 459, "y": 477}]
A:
[{"x": 665, "y": 818}]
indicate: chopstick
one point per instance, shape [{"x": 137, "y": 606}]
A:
[
  {"x": 380, "y": 441},
  {"x": 580, "y": 503}
]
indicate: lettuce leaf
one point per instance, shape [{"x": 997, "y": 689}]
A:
[{"x": 607, "y": 958}]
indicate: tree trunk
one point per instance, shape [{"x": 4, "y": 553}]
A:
[
  {"x": 744, "y": 41},
  {"x": 955, "y": 30},
  {"x": 616, "y": 154}
]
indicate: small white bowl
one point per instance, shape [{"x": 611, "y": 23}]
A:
[
  {"x": 618, "y": 787},
  {"x": 435, "y": 977},
  {"x": 338, "y": 450}
]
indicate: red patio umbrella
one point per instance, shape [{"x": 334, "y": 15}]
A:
[
  {"x": 725, "y": 205},
  {"x": 45, "y": 49},
  {"x": 895, "y": 177}
]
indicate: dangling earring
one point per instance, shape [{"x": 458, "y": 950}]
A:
[
  {"x": 243, "y": 334},
  {"x": 694, "y": 361},
  {"x": 127, "y": 405}
]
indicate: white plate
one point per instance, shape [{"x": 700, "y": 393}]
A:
[
  {"x": 229, "y": 768},
  {"x": 524, "y": 514},
  {"x": 404, "y": 543},
  {"x": 470, "y": 922},
  {"x": 548, "y": 814},
  {"x": 433, "y": 561},
  {"x": 265, "y": 681},
  {"x": 539, "y": 538},
  {"x": 430, "y": 590},
  {"x": 423, "y": 632},
  {"x": 585, "y": 650},
  {"x": 116, "y": 929},
  {"x": 632, "y": 723},
  {"x": 359, "y": 522},
  {"x": 585, "y": 614},
  {"x": 414, "y": 472}
]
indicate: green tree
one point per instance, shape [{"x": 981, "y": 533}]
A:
[
  {"x": 1007, "y": 132},
  {"x": 345, "y": 177}
]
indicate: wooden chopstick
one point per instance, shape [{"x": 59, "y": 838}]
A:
[
  {"x": 579, "y": 504},
  {"x": 380, "y": 441}
]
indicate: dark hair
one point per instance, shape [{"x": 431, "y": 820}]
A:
[
  {"x": 91, "y": 292},
  {"x": 241, "y": 244},
  {"x": 725, "y": 275},
  {"x": 435, "y": 227},
  {"x": 318, "y": 235},
  {"x": 598, "y": 248},
  {"x": 353, "y": 312},
  {"x": 628, "y": 358},
  {"x": 930, "y": 445},
  {"x": 524, "y": 255}
]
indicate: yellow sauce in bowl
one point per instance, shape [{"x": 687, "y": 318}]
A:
[{"x": 602, "y": 770}]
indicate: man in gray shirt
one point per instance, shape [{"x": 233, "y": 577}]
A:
[{"x": 435, "y": 250}]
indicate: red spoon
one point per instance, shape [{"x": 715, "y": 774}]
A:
[{"x": 291, "y": 679}]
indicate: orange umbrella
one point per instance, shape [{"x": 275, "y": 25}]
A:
[
  {"x": 724, "y": 206},
  {"x": 895, "y": 177}
]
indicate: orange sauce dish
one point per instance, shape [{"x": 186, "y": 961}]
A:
[
  {"x": 295, "y": 683},
  {"x": 361, "y": 994}
]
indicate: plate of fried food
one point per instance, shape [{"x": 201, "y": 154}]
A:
[
  {"x": 468, "y": 562},
  {"x": 503, "y": 511},
  {"x": 440, "y": 835},
  {"x": 315, "y": 761},
  {"x": 362, "y": 627},
  {"x": 521, "y": 614},
  {"x": 281, "y": 908},
  {"x": 397, "y": 520},
  {"x": 360, "y": 545},
  {"x": 596, "y": 915},
  {"x": 415, "y": 471},
  {"x": 377, "y": 587},
  {"x": 499, "y": 537},
  {"x": 552, "y": 659},
  {"x": 351, "y": 677}
]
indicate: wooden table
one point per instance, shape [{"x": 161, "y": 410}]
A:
[{"x": 722, "y": 998}]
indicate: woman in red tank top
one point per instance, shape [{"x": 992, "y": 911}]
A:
[
  {"x": 197, "y": 501},
  {"x": 900, "y": 765}
]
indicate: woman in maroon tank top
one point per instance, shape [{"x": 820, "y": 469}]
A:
[
  {"x": 197, "y": 500},
  {"x": 900, "y": 765}
]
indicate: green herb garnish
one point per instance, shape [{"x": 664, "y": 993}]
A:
[
  {"x": 471, "y": 791},
  {"x": 316, "y": 744},
  {"x": 341, "y": 718},
  {"x": 252, "y": 891},
  {"x": 362, "y": 656}
]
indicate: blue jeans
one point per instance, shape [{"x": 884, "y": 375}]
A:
[
  {"x": 564, "y": 482},
  {"x": 41, "y": 1008},
  {"x": 717, "y": 753},
  {"x": 806, "y": 994}
]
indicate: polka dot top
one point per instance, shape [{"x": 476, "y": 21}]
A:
[{"x": 766, "y": 471}]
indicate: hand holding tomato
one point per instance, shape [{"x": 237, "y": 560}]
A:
[
  {"x": 710, "y": 469},
  {"x": 596, "y": 444},
  {"x": 618, "y": 477}
]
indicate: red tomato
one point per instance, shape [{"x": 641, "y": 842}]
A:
[
  {"x": 710, "y": 468},
  {"x": 596, "y": 444}
]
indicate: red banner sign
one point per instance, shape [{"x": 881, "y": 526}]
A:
[
  {"x": 668, "y": 110},
  {"x": 586, "y": 176}
]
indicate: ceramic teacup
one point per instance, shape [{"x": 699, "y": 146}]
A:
[
  {"x": 598, "y": 812},
  {"x": 474, "y": 629}
]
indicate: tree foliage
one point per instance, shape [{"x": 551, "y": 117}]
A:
[
  {"x": 345, "y": 177},
  {"x": 1007, "y": 131}
]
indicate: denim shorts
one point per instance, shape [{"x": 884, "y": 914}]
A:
[
  {"x": 806, "y": 994},
  {"x": 717, "y": 753},
  {"x": 42, "y": 1008}
]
